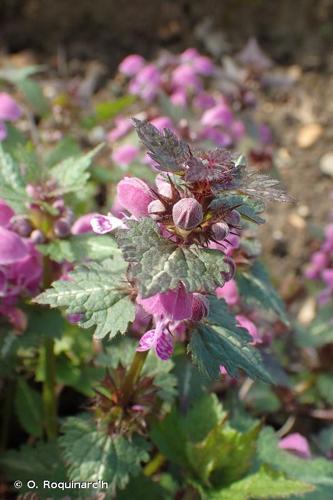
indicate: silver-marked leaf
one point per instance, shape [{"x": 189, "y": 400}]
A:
[
  {"x": 164, "y": 147},
  {"x": 263, "y": 188},
  {"x": 91, "y": 453},
  {"x": 248, "y": 209},
  {"x": 160, "y": 265},
  {"x": 97, "y": 291}
]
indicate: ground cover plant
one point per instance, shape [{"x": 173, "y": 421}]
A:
[{"x": 145, "y": 351}]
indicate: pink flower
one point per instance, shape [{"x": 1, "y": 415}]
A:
[
  {"x": 219, "y": 115},
  {"x": 179, "y": 98},
  {"x": 188, "y": 55},
  {"x": 124, "y": 155},
  {"x": 203, "y": 65},
  {"x": 246, "y": 323},
  {"x": 204, "y": 100},
  {"x": 102, "y": 224},
  {"x": 6, "y": 213},
  {"x": 184, "y": 77},
  {"x": 238, "y": 129},
  {"x": 162, "y": 122},
  {"x": 159, "y": 339},
  {"x": 83, "y": 224},
  {"x": 200, "y": 307},
  {"x": 163, "y": 186},
  {"x": 174, "y": 304},
  {"x": 297, "y": 444},
  {"x": 12, "y": 247},
  {"x": 122, "y": 126},
  {"x": 9, "y": 110},
  {"x": 327, "y": 276},
  {"x": 134, "y": 195},
  {"x": 146, "y": 83},
  {"x": 220, "y": 138},
  {"x": 229, "y": 292},
  {"x": 131, "y": 64}
]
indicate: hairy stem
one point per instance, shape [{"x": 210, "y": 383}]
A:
[
  {"x": 49, "y": 392},
  {"x": 133, "y": 375}
]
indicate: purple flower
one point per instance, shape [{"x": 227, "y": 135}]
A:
[
  {"x": 6, "y": 213},
  {"x": 220, "y": 138},
  {"x": 327, "y": 276},
  {"x": 12, "y": 247},
  {"x": 204, "y": 100},
  {"x": 162, "y": 122},
  {"x": 296, "y": 444},
  {"x": 131, "y": 64},
  {"x": 163, "y": 186},
  {"x": 185, "y": 77},
  {"x": 123, "y": 125},
  {"x": 203, "y": 65},
  {"x": 200, "y": 307},
  {"x": 83, "y": 224},
  {"x": 219, "y": 115},
  {"x": 125, "y": 154},
  {"x": 246, "y": 323},
  {"x": 179, "y": 98},
  {"x": 146, "y": 83},
  {"x": 174, "y": 304},
  {"x": 134, "y": 195},
  {"x": 159, "y": 339},
  {"x": 9, "y": 110},
  {"x": 229, "y": 292},
  {"x": 102, "y": 224}
]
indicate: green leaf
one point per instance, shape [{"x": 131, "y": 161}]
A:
[
  {"x": 14, "y": 75},
  {"x": 91, "y": 454},
  {"x": 36, "y": 463},
  {"x": 72, "y": 173},
  {"x": 315, "y": 471},
  {"x": 43, "y": 323},
  {"x": 325, "y": 387},
  {"x": 143, "y": 488},
  {"x": 81, "y": 247},
  {"x": 254, "y": 286},
  {"x": 220, "y": 342},
  {"x": 262, "y": 398},
  {"x": 108, "y": 109},
  {"x": 29, "y": 408},
  {"x": 12, "y": 185},
  {"x": 173, "y": 434},
  {"x": 224, "y": 456},
  {"x": 33, "y": 93},
  {"x": 97, "y": 291},
  {"x": 67, "y": 147},
  {"x": 160, "y": 265},
  {"x": 263, "y": 484}
]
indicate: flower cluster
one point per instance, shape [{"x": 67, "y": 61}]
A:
[
  {"x": 187, "y": 93},
  {"x": 187, "y": 206},
  {"x": 321, "y": 265}
]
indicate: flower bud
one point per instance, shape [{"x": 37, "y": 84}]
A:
[
  {"x": 21, "y": 226},
  {"x": 134, "y": 195},
  {"x": 187, "y": 213},
  {"x": 200, "y": 307},
  {"x": 59, "y": 205},
  {"x": 230, "y": 273},
  {"x": 233, "y": 218},
  {"x": 62, "y": 228},
  {"x": 220, "y": 231},
  {"x": 37, "y": 237},
  {"x": 155, "y": 209}
]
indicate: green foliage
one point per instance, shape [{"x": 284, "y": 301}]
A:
[
  {"x": 93, "y": 455},
  {"x": 320, "y": 331},
  {"x": 64, "y": 148},
  {"x": 263, "y": 484},
  {"x": 219, "y": 341},
  {"x": 160, "y": 265},
  {"x": 143, "y": 488},
  {"x": 254, "y": 286},
  {"x": 325, "y": 387},
  {"x": 12, "y": 184},
  {"x": 248, "y": 208},
  {"x": 36, "y": 463},
  {"x": 80, "y": 247},
  {"x": 317, "y": 471},
  {"x": 29, "y": 408},
  {"x": 33, "y": 93},
  {"x": 95, "y": 290},
  {"x": 72, "y": 173}
]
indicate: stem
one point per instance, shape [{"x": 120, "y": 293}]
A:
[
  {"x": 133, "y": 375},
  {"x": 156, "y": 462},
  {"x": 49, "y": 393}
]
